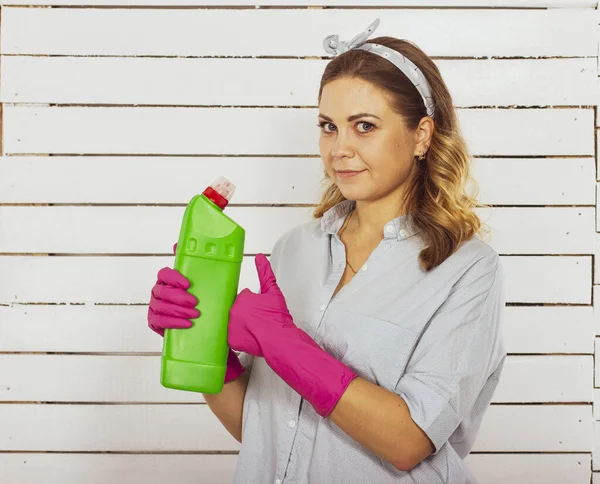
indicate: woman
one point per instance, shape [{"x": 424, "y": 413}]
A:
[{"x": 374, "y": 347}]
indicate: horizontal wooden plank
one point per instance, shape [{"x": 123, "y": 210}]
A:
[
  {"x": 87, "y": 378},
  {"x": 540, "y": 428},
  {"x": 597, "y": 254},
  {"x": 530, "y": 468},
  {"x": 172, "y": 427},
  {"x": 122, "y": 329},
  {"x": 101, "y": 378},
  {"x": 598, "y": 216},
  {"x": 540, "y": 230},
  {"x": 217, "y": 469},
  {"x": 330, "y": 3},
  {"x": 598, "y": 145},
  {"x": 216, "y": 32},
  {"x": 546, "y": 379},
  {"x": 260, "y": 131},
  {"x": 154, "y": 230},
  {"x": 131, "y": 230},
  {"x": 596, "y": 404},
  {"x": 113, "y": 427},
  {"x": 597, "y": 101},
  {"x": 550, "y": 329},
  {"x": 128, "y": 280},
  {"x": 117, "y": 468},
  {"x": 595, "y": 453},
  {"x": 504, "y": 181},
  {"x": 597, "y": 363},
  {"x": 122, "y": 280},
  {"x": 91, "y": 328},
  {"x": 276, "y": 82},
  {"x": 565, "y": 279},
  {"x": 596, "y": 309},
  {"x": 24, "y": 179}
]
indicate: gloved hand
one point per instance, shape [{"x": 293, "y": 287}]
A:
[
  {"x": 172, "y": 306},
  {"x": 261, "y": 325}
]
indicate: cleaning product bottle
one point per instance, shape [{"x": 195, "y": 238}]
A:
[{"x": 209, "y": 254}]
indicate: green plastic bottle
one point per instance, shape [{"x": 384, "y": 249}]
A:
[{"x": 209, "y": 253}]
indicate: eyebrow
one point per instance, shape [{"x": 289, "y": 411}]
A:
[{"x": 350, "y": 118}]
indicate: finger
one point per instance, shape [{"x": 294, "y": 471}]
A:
[
  {"x": 174, "y": 295},
  {"x": 158, "y": 331},
  {"x": 268, "y": 283},
  {"x": 161, "y": 321},
  {"x": 173, "y": 277},
  {"x": 160, "y": 306},
  {"x": 175, "y": 248}
]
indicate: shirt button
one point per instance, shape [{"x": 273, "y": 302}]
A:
[
  {"x": 389, "y": 229},
  {"x": 403, "y": 233},
  {"x": 322, "y": 308},
  {"x": 278, "y": 481},
  {"x": 292, "y": 424}
]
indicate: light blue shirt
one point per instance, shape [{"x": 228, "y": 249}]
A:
[{"x": 434, "y": 338}]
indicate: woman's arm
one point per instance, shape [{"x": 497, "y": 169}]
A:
[
  {"x": 380, "y": 420},
  {"x": 228, "y": 405},
  {"x": 454, "y": 369},
  {"x": 440, "y": 386}
]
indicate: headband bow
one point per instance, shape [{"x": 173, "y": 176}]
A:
[{"x": 334, "y": 46}]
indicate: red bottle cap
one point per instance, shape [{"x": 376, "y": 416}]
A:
[
  {"x": 214, "y": 196},
  {"x": 220, "y": 192}
]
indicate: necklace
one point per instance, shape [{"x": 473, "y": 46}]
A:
[{"x": 340, "y": 235}]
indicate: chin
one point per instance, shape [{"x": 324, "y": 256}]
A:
[{"x": 354, "y": 193}]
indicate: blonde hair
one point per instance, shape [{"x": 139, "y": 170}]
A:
[{"x": 441, "y": 209}]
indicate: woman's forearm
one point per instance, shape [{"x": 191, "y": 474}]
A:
[
  {"x": 228, "y": 405},
  {"x": 380, "y": 420}
]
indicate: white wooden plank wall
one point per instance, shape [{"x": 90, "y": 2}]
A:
[{"x": 114, "y": 117}]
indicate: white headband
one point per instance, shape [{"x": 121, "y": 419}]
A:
[{"x": 334, "y": 46}]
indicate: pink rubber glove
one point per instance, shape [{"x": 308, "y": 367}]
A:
[
  {"x": 261, "y": 325},
  {"x": 172, "y": 306}
]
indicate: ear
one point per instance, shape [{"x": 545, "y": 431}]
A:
[{"x": 423, "y": 135}]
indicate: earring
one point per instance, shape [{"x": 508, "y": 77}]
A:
[{"x": 421, "y": 156}]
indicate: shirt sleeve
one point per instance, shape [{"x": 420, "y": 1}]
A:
[{"x": 460, "y": 352}]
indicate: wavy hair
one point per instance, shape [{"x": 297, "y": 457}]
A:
[{"x": 436, "y": 196}]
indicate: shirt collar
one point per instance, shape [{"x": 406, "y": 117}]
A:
[{"x": 398, "y": 228}]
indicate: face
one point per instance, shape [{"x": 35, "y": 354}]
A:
[{"x": 365, "y": 147}]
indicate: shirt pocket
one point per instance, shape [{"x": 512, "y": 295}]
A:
[{"x": 376, "y": 349}]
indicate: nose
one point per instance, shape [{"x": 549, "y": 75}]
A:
[{"x": 342, "y": 148}]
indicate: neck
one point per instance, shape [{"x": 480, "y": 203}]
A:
[{"x": 370, "y": 217}]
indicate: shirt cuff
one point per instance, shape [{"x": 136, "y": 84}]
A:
[{"x": 431, "y": 411}]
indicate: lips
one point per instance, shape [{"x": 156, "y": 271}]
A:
[{"x": 348, "y": 173}]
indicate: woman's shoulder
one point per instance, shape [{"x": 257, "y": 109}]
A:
[
  {"x": 478, "y": 250},
  {"x": 476, "y": 260}
]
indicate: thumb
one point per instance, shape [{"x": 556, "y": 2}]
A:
[
  {"x": 268, "y": 283},
  {"x": 175, "y": 248}
]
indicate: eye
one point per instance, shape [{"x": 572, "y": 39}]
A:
[
  {"x": 322, "y": 126},
  {"x": 368, "y": 124}
]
